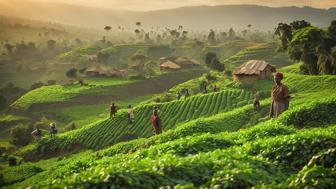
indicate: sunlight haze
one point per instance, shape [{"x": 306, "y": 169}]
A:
[{"x": 146, "y": 5}]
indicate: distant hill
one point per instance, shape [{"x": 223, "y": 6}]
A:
[{"x": 197, "y": 17}]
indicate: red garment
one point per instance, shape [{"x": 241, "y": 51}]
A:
[{"x": 156, "y": 122}]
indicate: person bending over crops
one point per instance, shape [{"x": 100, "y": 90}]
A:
[
  {"x": 156, "y": 122},
  {"x": 53, "y": 129},
  {"x": 186, "y": 93},
  {"x": 280, "y": 96},
  {"x": 113, "y": 110},
  {"x": 130, "y": 114},
  {"x": 256, "y": 104}
]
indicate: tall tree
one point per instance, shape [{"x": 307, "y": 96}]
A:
[
  {"x": 232, "y": 33},
  {"x": 212, "y": 37},
  {"x": 284, "y": 32},
  {"x": 213, "y": 63},
  {"x": 51, "y": 44},
  {"x": 307, "y": 45},
  {"x": 299, "y": 24}
]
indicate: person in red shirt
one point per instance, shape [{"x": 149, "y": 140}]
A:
[{"x": 156, "y": 122}]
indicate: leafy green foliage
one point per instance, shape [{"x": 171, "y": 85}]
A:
[
  {"x": 53, "y": 93},
  {"x": 295, "y": 151},
  {"x": 311, "y": 114},
  {"x": 78, "y": 53},
  {"x": 98, "y": 135},
  {"x": 20, "y": 135},
  {"x": 212, "y": 141},
  {"x": 19, "y": 173}
]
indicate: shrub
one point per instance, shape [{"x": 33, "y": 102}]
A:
[
  {"x": 36, "y": 85},
  {"x": 311, "y": 114},
  {"x": 20, "y": 173},
  {"x": 3, "y": 102},
  {"x": 319, "y": 172},
  {"x": 12, "y": 161},
  {"x": 314, "y": 177},
  {"x": 210, "y": 77},
  {"x": 51, "y": 82},
  {"x": 20, "y": 135},
  {"x": 72, "y": 73},
  {"x": 295, "y": 151},
  {"x": 228, "y": 72}
]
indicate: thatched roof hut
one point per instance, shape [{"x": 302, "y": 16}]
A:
[
  {"x": 186, "y": 62},
  {"x": 169, "y": 65},
  {"x": 254, "y": 70},
  {"x": 104, "y": 71}
]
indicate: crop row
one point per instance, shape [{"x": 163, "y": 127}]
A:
[{"x": 117, "y": 129}]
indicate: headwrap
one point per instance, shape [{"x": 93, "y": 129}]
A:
[{"x": 279, "y": 75}]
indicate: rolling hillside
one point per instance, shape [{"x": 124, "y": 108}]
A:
[{"x": 227, "y": 150}]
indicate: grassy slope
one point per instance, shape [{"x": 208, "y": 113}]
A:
[
  {"x": 258, "y": 152},
  {"x": 277, "y": 153},
  {"x": 259, "y": 52},
  {"x": 86, "y": 114},
  {"x": 61, "y": 93},
  {"x": 109, "y": 131},
  {"x": 105, "y": 89}
]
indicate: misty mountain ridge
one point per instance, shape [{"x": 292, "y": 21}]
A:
[{"x": 193, "y": 18}]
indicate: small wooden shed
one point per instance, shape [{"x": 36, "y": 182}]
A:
[{"x": 254, "y": 70}]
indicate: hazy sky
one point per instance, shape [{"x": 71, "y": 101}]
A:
[{"x": 144, "y": 5}]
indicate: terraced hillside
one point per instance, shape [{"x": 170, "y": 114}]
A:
[
  {"x": 98, "y": 91},
  {"x": 259, "y": 52},
  {"x": 112, "y": 130},
  {"x": 227, "y": 150}
]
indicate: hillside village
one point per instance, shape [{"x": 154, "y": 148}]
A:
[{"x": 167, "y": 107}]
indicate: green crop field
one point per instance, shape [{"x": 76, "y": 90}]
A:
[
  {"x": 110, "y": 88},
  {"x": 54, "y": 93},
  {"x": 211, "y": 139},
  {"x": 84, "y": 114},
  {"x": 112, "y": 130},
  {"x": 58, "y": 93},
  {"x": 237, "y": 148},
  {"x": 259, "y": 52}
]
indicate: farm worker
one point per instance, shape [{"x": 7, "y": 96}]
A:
[
  {"x": 130, "y": 114},
  {"x": 156, "y": 108},
  {"x": 215, "y": 88},
  {"x": 156, "y": 122},
  {"x": 186, "y": 93},
  {"x": 178, "y": 95},
  {"x": 280, "y": 96},
  {"x": 256, "y": 103},
  {"x": 37, "y": 134},
  {"x": 53, "y": 130},
  {"x": 113, "y": 110},
  {"x": 205, "y": 90}
]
